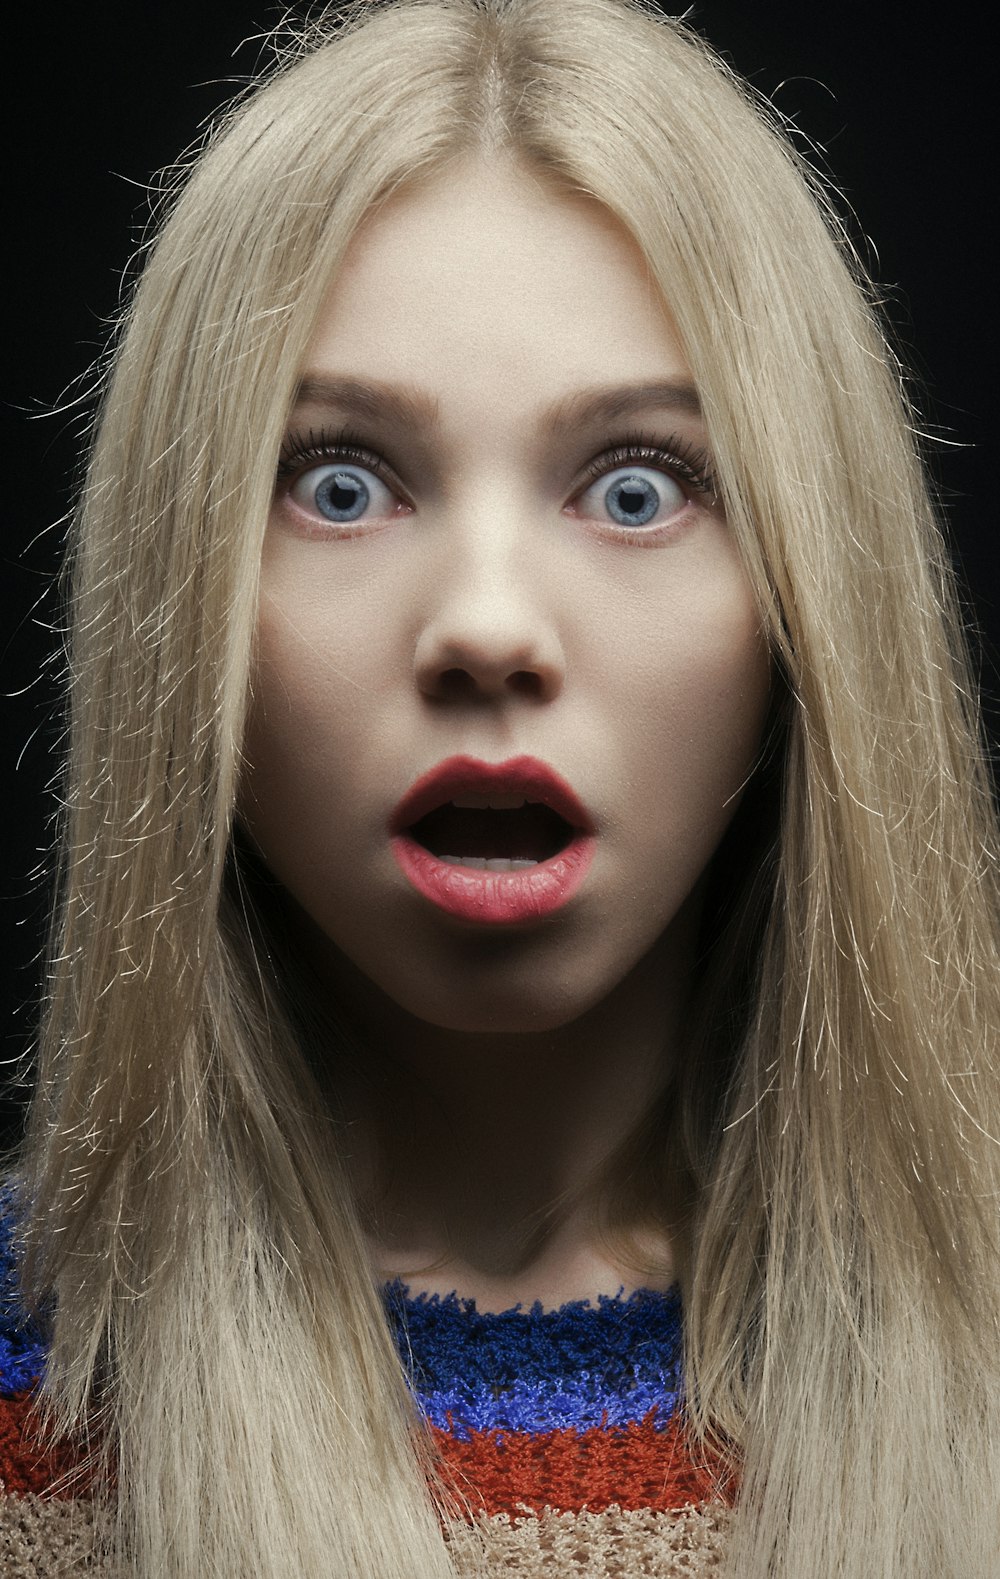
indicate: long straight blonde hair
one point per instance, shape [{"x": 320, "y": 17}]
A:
[{"x": 216, "y": 1328}]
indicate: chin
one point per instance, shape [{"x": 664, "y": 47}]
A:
[
  {"x": 478, "y": 1007},
  {"x": 506, "y": 1020}
]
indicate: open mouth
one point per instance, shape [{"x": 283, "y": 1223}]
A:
[
  {"x": 500, "y": 838},
  {"x": 493, "y": 844}
]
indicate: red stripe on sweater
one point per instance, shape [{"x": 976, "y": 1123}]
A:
[
  {"x": 26, "y": 1464},
  {"x": 633, "y": 1466}
]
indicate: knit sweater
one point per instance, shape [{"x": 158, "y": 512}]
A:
[
  {"x": 562, "y": 1430},
  {"x": 565, "y": 1429}
]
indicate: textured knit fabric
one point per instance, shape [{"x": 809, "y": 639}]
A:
[
  {"x": 560, "y": 1435},
  {"x": 46, "y": 1532}
]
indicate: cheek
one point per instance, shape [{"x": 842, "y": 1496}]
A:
[
  {"x": 723, "y": 699},
  {"x": 697, "y": 712},
  {"x": 696, "y": 644},
  {"x": 298, "y": 733}
]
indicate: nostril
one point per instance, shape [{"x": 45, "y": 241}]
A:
[
  {"x": 457, "y": 682},
  {"x": 460, "y": 683},
  {"x": 476, "y": 652},
  {"x": 526, "y": 682}
]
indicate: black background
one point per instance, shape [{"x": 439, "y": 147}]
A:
[{"x": 100, "y": 97}]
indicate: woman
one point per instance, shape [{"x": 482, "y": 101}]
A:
[{"x": 598, "y": 551}]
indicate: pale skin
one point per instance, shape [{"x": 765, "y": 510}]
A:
[{"x": 486, "y": 602}]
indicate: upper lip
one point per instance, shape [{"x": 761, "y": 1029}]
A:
[{"x": 526, "y": 776}]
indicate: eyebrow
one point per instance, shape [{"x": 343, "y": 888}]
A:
[
  {"x": 411, "y": 407},
  {"x": 593, "y": 406},
  {"x": 406, "y": 406}
]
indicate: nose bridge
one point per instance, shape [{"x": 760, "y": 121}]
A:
[
  {"x": 487, "y": 614},
  {"x": 487, "y": 554}
]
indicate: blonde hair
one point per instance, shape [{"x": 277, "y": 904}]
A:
[{"x": 216, "y": 1324}]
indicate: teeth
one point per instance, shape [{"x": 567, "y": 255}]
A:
[
  {"x": 490, "y": 802},
  {"x": 481, "y": 863}
]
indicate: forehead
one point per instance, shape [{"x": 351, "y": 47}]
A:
[{"x": 489, "y": 274}]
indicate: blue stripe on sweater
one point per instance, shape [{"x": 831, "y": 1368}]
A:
[
  {"x": 22, "y": 1348},
  {"x": 574, "y": 1404},
  {"x": 534, "y": 1371}
]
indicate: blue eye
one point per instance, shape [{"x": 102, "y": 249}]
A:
[
  {"x": 633, "y": 496},
  {"x": 342, "y": 492}
]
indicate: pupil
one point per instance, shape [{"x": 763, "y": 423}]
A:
[
  {"x": 633, "y": 501},
  {"x": 342, "y": 497}
]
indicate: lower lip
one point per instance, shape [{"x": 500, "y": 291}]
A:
[{"x": 496, "y": 897}]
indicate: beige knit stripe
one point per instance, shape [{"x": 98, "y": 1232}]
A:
[
  {"x": 48, "y": 1538},
  {"x": 42, "y": 1538},
  {"x": 683, "y": 1545}
]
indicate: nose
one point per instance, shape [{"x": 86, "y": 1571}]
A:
[{"x": 488, "y": 634}]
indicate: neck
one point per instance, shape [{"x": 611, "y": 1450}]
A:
[{"x": 485, "y": 1155}]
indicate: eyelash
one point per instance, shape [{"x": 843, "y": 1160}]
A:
[
  {"x": 324, "y": 447},
  {"x": 686, "y": 462}
]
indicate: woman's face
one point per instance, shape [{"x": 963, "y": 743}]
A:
[{"x": 494, "y": 537}]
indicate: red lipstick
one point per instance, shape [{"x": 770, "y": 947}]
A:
[{"x": 505, "y": 883}]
